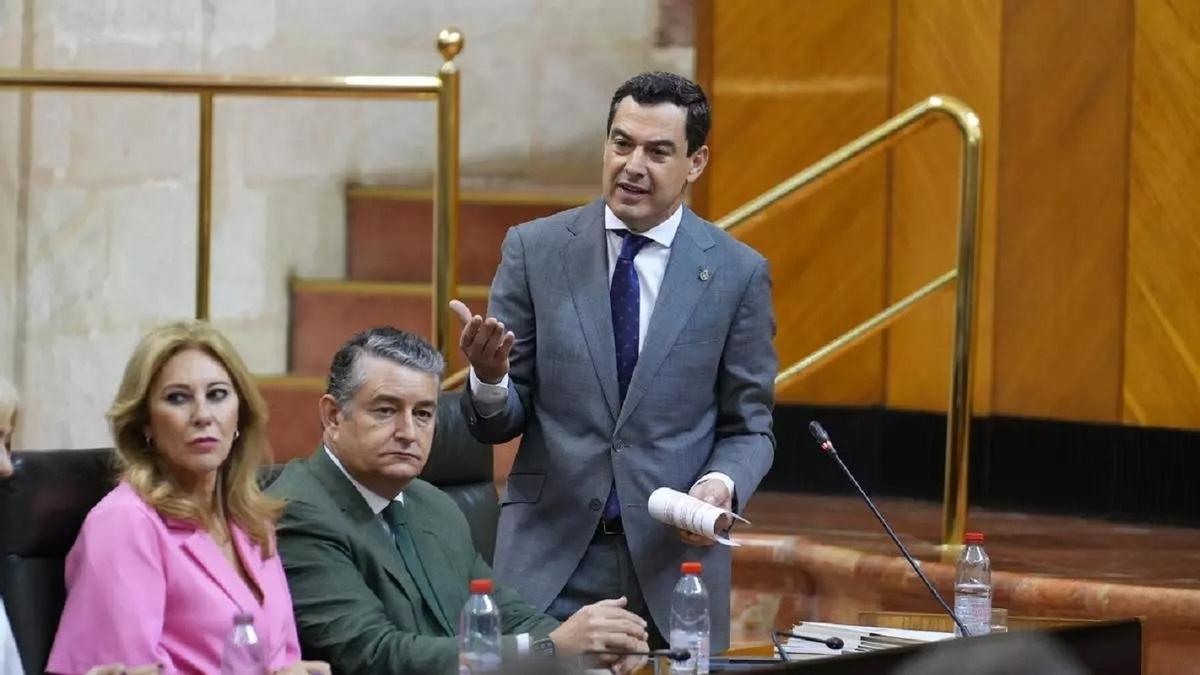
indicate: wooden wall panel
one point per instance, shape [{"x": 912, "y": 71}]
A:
[
  {"x": 791, "y": 81},
  {"x": 1060, "y": 244},
  {"x": 1162, "y": 322},
  {"x": 942, "y": 47}
]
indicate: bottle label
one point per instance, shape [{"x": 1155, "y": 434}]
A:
[
  {"x": 975, "y": 613},
  {"x": 697, "y": 646}
]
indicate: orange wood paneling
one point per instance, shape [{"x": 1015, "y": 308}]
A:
[
  {"x": 789, "y": 82},
  {"x": 942, "y": 47},
  {"x": 1062, "y": 200},
  {"x": 1162, "y": 320}
]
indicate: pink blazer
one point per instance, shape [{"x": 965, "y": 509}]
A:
[{"x": 144, "y": 589}]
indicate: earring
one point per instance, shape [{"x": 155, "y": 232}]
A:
[
  {"x": 149, "y": 442},
  {"x": 236, "y": 434}
]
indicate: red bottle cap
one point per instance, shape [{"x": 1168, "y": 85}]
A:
[
  {"x": 481, "y": 586},
  {"x": 973, "y": 537},
  {"x": 691, "y": 568}
]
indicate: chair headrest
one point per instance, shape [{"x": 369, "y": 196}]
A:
[
  {"x": 47, "y": 498},
  {"x": 456, "y": 457}
]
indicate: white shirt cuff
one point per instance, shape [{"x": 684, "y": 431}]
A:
[
  {"x": 489, "y": 399},
  {"x": 717, "y": 475},
  {"x": 522, "y": 643}
]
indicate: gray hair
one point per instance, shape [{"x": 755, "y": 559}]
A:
[{"x": 346, "y": 375}]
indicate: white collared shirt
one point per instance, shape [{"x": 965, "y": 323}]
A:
[
  {"x": 650, "y": 263},
  {"x": 10, "y": 659},
  {"x": 376, "y": 503},
  {"x": 651, "y": 266}
]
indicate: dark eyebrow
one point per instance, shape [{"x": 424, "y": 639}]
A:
[
  {"x": 398, "y": 402},
  {"x": 665, "y": 143}
]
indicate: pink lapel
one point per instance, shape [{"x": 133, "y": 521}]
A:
[
  {"x": 251, "y": 555},
  {"x": 205, "y": 552}
]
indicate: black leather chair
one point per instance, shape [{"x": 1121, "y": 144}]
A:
[
  {"x": 41, "y": 509},
  {"x": 43, "y": 506},
  {"x": 462, "y": 467}
]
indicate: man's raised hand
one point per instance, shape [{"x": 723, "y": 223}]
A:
[{"x": 484, "y": 342}]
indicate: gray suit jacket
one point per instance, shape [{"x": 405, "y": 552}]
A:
[{"x": 700, "y": 400}]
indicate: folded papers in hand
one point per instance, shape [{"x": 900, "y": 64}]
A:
[{"x": 693, "y": 515}]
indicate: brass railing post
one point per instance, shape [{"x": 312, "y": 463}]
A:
[
  {"x": 958, "y": 421},
  {"x": 204, "y": 208},
  {"x": 445, "y": 201}
]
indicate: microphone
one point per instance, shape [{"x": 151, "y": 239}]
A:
[
  {"x": 826, "y": 445},
  {"x": 833, "y": 642},
  {"x": 672, "y": 654}
]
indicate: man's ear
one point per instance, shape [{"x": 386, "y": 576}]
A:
[
  {"x": 699, "y": 160},
  {"x": 330, "y": 412}
]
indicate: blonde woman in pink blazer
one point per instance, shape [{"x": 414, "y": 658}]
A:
[{"x": 186, "y": 540}]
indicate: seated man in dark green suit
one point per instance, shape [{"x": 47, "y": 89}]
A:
[{"x": 378, "y": 561}]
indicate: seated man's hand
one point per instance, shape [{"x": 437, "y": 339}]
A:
[
  {"x": 305, "y": 668},
  {"x": 603, "y": 626},
  {"x": 630, "y": 664}
]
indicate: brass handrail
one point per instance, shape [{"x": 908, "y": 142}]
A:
[
  {"x": 442, "y": 88},
  {"x": 958, "y": 419},
  {"x": 863, "y": 330}
]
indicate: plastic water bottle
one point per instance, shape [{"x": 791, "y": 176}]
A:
[
  {"x": 479, "y": 631},
  {"x": 243, "y": 653},
  {"x": 973, "y": 587},
  {"x": 689, "y": 620}
]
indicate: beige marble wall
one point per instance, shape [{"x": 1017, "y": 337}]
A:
[
  {"x": 108, "y": 239},
  {"x": 11, "y": 32}
]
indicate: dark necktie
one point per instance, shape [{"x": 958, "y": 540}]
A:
[
  {"x": 625, "y": 297},
  {"x": 397, "y": 521}
]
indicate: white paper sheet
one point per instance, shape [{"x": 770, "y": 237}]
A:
[
  {"x": 855, "y": 638},
  {"x": 686, "y": 512}
]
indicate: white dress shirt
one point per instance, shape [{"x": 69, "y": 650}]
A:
[
  {"x": 377, "y": 504},
  {"x": 651, "y": 266},
  {"x": 10, "y": 660}
]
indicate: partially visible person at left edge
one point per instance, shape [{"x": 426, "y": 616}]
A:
[
  {"x": 10, "y": 660},
  {"x": 8, "y": 421},
  {"x": 186, "y": 540}
]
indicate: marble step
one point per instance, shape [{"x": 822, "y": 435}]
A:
[
  {"x": 389, "y": 230},
  {"x": 325, "y": 313}
]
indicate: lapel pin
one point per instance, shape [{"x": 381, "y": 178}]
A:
[{"x": 705, "y": 275}]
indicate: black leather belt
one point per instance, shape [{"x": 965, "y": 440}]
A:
[{"x": 614, "y": 526}]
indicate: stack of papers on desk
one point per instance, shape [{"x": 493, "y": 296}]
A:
[{"x": 855, "y": 639}]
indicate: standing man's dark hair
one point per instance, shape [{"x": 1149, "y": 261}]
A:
[{"x": 659, "y": 87}]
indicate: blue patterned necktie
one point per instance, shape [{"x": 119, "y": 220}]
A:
[{"x": 625, "y": 297}]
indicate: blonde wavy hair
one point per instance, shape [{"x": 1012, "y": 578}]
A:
[{"x": 237, "y": 493}]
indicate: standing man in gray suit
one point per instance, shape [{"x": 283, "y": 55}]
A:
[{"x": 630, "y": 341}]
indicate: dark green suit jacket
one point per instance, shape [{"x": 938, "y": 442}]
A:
[{"x": 356, "y": 604}]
